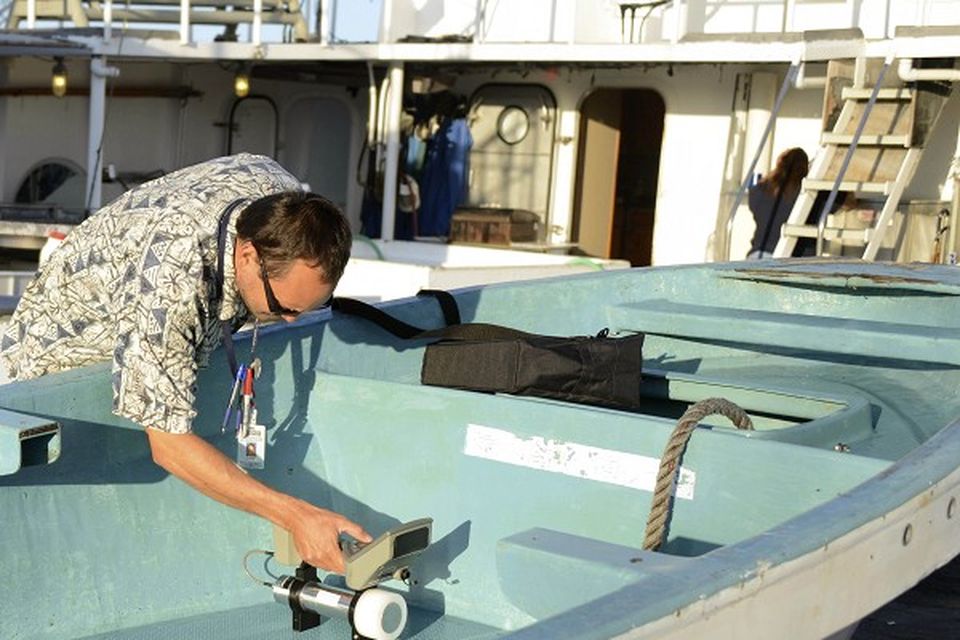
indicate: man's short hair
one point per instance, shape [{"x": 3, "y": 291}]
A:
[{"x": 293, "y": 225}]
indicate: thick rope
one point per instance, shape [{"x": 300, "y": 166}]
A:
[{"x": 662, "y": 503}]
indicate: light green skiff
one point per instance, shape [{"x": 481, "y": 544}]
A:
[{"x": 843, "y": 497}]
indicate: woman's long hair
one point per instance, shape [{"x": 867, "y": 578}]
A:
[{"x": 791, "y": 169}]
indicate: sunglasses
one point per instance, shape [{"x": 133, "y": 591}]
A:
[{"x": 273, "y": 304}]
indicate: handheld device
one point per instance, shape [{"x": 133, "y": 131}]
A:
[
  {"x": 373, "y": 613},
  {"x": 387, "y": 556}
]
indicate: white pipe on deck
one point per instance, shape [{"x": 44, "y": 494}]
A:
[
  {"x": 853, "y": 12},
  {"x": 908, "y": 74},
  {"x": 680, "y": 14},
  {"x": 382, "y": 113},
  {"x": 386, "y": 21},
  {"x": 392, "y": 135},
  {"x": 31, "y": 14},
  {"x": 184, "y": 21},
  {"x": 803, "y": 82},
  {"x": 953, "y": 234},
  {"x": 921, "y": 13},
  {"x": 478, "y": 22},
  {"x": 257, "y": 27},
  {"x": 325, "y": 28},
  {"x": 371, "y": 108},
  {"x": 99, "y": 72},
  {"x": 786, "y": 25},
  {"x": 107, "y": 19}
]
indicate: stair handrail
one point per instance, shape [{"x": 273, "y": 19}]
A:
[
  {"x": 788, "y": 81},
  {"x": 832, "y": 198}
]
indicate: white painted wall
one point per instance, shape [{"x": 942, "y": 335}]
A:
[
  {"x": 37, "y": 127},
  {"x": 798, "y": 125},
  {"x": 698, "y": 101},
  {"x": 43, "y": 127},
  {"x": 933, "y": 179},
  {"x": 690, "y": 180},
  {"x": 148, "y": 134},
  {"x": 142, "y": 134},
  {"x": 599, "y": 21},
  {"x": 205, "y": 135}
]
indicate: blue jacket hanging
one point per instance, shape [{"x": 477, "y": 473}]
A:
[{"x": 444, "y": 184}]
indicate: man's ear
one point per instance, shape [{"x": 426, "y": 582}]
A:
[{"x": 246, "y": 252}]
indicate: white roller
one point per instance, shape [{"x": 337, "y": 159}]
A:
[{"x": 380, "y": 614}]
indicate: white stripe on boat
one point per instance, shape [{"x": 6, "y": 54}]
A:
[{"x": 571, "y": 459}]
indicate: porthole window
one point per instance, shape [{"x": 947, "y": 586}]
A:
[
  {"x": 513, "y": 124},
  {"x": 53, "y": 182}
]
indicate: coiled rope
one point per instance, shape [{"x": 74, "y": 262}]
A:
[{"x": 662, "y": 504}]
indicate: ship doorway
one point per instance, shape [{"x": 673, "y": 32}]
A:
[
  {"x": 618, "y": 164},
  {"x": 253, "y": 126},
  {"x": 319, "y": 135},
  {"x": 511, "y": 161}
]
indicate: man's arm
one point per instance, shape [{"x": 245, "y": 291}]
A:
[{"x": 202, "y": 466}]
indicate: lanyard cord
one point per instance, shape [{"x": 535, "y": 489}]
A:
[{"x": 225, "y": 327}]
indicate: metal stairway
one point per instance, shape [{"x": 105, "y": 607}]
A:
[{"x": 873, "y": 140}]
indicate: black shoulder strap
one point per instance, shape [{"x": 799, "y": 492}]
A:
[
  {"x": 382, "y": 319},
  {"x": 222, "y": 229},
  {"x": 448, "y": 304},
  {"x": 400, "y": 329}
]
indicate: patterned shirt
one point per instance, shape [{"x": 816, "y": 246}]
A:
[{"x": 136, "y": 282}]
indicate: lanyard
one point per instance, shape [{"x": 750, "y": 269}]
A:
[
  {"x": 242, "y": 375},
  {"x": 225, "y": 327}
]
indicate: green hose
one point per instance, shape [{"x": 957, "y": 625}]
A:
[
  {"x": 587, "y": 262},
  {"x": 364, "y": 239}
]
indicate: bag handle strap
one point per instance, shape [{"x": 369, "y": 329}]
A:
[
  {"x": 448, "y": 304},
  {"x": 454, "y": 331}
]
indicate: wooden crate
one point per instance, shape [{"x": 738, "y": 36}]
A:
[{"x": 488, "y": 225}]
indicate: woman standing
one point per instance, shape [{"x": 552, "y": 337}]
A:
[{"x": 772, "y": 199}]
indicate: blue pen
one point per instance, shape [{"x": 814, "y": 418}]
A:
[{"x": 233, "y": 398}]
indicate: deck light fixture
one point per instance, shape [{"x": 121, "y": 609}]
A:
[
  {"x": 241, "y": 82},
  {"x": 58, "y": 81}
]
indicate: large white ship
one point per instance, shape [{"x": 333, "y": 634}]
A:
[{"x": 630, "y": 129}]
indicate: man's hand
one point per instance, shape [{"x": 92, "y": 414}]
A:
[
  {"x": 316, "y": 534},
  {"x": 202, "y": 466}
]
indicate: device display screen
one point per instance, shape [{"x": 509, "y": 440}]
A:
[{"x": 411, "y": 542}]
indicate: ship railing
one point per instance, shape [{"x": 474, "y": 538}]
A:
[
  {"x": 485, "y": 21},
  {"x": 650, "y": 21},
  {"x": 288, "y": 18}
]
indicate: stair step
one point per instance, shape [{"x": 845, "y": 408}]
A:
[
  {"x": 216, "y": 17},
  {"x": 847, "y": 237},
  {"x": 875, "y": 140},
  {"x": 897, "y": 93},
  {"x": 246, "y": 5},
  {"x": 856, "y": 187}
]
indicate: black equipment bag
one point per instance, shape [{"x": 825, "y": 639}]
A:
[{"x": 594, "y": 370}]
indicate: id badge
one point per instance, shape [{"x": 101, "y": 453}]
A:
[{"x": 252, "y": 448}]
